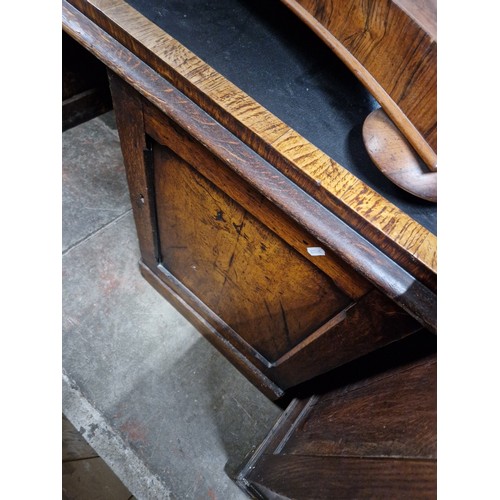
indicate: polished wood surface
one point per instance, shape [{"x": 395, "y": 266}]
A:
[
  {"x": 392, "y": 48},
  {"x": 395, "y": 157},
  {"x": 368, "y": 430},
  {"x": 400, "y": 237}
]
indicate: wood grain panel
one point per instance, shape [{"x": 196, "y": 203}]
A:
[
  {"x": 324, "y": 478},
  {"x": 367, "y": 430},
  {"x": 375, "y": 320},
  {"x": 268, "y": 293},
  {"x": 392, "y": 416}
]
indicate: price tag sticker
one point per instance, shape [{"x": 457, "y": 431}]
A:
[{"x": 315, "y": 251}]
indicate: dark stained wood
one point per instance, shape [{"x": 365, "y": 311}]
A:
[
  {"x": 84, "y": 473},
  {"x": 367, "y": 436},
  {"x": 392, "y": 415},
  {"x": 85, "y": 106},
  {"x": 396, "y": 234},
  {"x": 376, "y": 322},
  {"x": 222, "y": 261},
  {"x": 324, "y": 478},
  {"x": 91, "y": 478},
  {"x": 394, "y": 56},
  {"x": 128, "y": 112},
  {"x": 327, "y": 229},
  {"x": 331, "y": 345},
  {"x": 395, "y": 158}
]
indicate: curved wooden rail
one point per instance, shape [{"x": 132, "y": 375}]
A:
[{"x": 391, "y": 48}]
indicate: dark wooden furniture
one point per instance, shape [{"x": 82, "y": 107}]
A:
[
  {"x": 368, "y": 431},
  {"x": 288, "y": 263}
]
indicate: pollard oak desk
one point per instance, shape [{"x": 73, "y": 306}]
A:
[{"x": 258, "y": 212}]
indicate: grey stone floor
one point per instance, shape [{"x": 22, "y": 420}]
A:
[{"x": 156, "y": 401}]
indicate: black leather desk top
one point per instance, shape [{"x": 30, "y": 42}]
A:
[{"x": 267, "y": 52}]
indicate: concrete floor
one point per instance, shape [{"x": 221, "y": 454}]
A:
[{"x": 166, "y": 411}]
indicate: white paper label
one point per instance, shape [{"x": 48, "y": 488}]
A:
[{"x": 315, "y": 251}]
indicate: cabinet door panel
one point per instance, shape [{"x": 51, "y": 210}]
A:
[{"x": 270, "y": 295}]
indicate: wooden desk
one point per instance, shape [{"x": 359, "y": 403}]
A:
[{"x": 258, "y": 212}]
